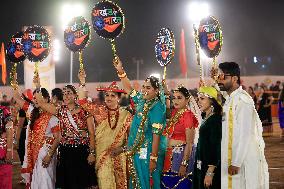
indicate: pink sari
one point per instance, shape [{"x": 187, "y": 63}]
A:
[{"x": 5, "y": 169}]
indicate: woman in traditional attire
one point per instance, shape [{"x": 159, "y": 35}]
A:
[
  {"x": 146, "y": 145},
  {"x": 207, "y": 168},
  {"x": 76, "y": 152},
  {"x": 180, "y": 130},
  {"x": 112, "y": 126},
  {"x": 42, "y": 142},
  {"x": 6, "y": 148}
]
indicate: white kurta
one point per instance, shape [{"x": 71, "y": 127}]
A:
[{"x": 247, "y": 144}]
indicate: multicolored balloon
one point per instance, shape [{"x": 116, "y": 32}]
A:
[
  {"x": 165, "y": 46},
  {"x": 15, "y": 53},
  {"x": 77, "y": 34},
  {"x": 108, "y": 19},
  {"x": 210, "y": 36},
  {"x": 36, "y": 43}
]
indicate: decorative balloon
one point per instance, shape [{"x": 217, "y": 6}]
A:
[
  {"x": 210, "y": 36},
  {"x": 210, "y": 39},
  {"x": 108, "y": 21},
  {"x": 77, "y": 36},
  {"x": 36, "y": 43},
  {"x": 165, "y": 48},
  {"x": 15, "y": 54}
]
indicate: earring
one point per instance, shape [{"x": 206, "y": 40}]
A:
[{"x": 212, "y": 109}]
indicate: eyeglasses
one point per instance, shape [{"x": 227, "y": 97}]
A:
[{"x": 222, "y": 76}]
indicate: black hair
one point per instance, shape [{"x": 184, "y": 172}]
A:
[
  {"x": 101, "y": 96},
  {"x": 154, "y": 82},
  {"x": 58, "y": 93},
  {"x": 193, "y": 92},
  {"x": 72, "y": 88},
  {"x": 231, "y": 68},
  {"x": 125, "y": 101},
  {"x": 35, "y": 112},
  {"x": 217, "y": 108},
  {"x": 119, "y": 95},
  {"x": 183, "y": 91}
]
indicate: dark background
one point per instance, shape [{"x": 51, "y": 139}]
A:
[{"x": 250, "y": 28}]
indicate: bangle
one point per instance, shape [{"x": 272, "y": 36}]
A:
[
  {"x": 48, "y": 153},
  {"x": 154, "y": 157},
  {"x": 168, "y": 96},
  {"x": 184, "y": 163},
  {"x": 124, "y": 149},
  {"x": 93, "y": 152},
  {"x": 210, "y": 174},
  {"x": 9, "y": 127},
  {"x": 9, "y": 149},
  {"x": 121, "y": 76}
]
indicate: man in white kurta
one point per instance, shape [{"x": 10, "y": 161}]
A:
[{"x": 243, "y": 164}]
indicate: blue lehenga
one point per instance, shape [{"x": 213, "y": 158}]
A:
[
  {"x": 175, "y": 154},
  {"x": 170, "y": 178}
]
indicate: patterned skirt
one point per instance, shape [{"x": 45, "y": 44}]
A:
[{"x": 172, "y": 163}]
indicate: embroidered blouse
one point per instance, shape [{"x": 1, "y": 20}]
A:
[
  {"x": 74, "y": 128},
  {"x": 187, "y": 121}
]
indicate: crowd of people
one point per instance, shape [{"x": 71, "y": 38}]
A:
[
  {"x": 264, "y": 97},
  {"x": 153, "y": 138}
]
